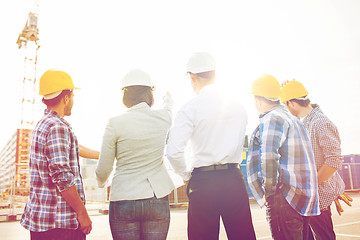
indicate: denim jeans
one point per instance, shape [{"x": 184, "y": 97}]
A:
[
  {"x": 285, "y": 223},
  {"x": 322, "y": 226},
  {"x": 147, "y": 219},
  {"x": 58, "y": 234}
]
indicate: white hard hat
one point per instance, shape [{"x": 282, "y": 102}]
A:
[
  {"x": 201, "y": 62},
  {"x": 136, "y": 77}
]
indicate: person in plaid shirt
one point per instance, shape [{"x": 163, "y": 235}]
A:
[
  {"x": 281, "y": 169},
  {"x": 325, "y": 141},
  {"x": 56, "y": 205}
]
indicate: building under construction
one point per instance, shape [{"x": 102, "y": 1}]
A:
[{"x": 14, "y": 178}]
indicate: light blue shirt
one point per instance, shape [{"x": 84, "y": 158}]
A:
[{"x": 280, "y": 157}]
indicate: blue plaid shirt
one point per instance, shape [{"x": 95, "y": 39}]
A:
[
  {"x": 54, "y": 167},
  {"x": 280, "y": 157}
]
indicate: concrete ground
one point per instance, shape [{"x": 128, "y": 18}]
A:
[{"x": 347, "y": 226}]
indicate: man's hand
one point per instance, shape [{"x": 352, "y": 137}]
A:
[
  {"x": 344, "y": 197},
  {"x": 85, "y": 222},
  {"x": 72, "y": 197},
  {"x": 167, "y": 95}
]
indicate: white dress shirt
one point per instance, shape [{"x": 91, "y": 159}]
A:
[
  {"x": 137, "y": 140},
  {"x": 215, "y": 126}
]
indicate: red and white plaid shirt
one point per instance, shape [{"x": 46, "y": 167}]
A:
[
  {"x": 325, "y": 141},
  {"x": 54, "y": 167}
]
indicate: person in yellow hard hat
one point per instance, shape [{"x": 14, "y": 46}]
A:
[
  {"x": 325, "y": 141},
  {"x": 281, "y": 169},
  {"x": 56, "y": 205},
  {"x": 135, "y": 140}
]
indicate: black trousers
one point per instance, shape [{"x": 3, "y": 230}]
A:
[
  {"x": 215, "y": 194},
  {"x": 58, "y": 234},
  {"x": 322, "y": 226}
]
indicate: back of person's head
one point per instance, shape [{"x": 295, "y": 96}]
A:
[
  {"x": 268, "y": 101},
  {"x": 206, "y": 76},
  {"x": 134, "y": 95},
  {"x": 52, "y": 102},
  {"x": 294, "y": 91},
  {"x": 137, "y": 87},
  {"x": 266, "y": 88},
  {"x": 202, "y": 64}
]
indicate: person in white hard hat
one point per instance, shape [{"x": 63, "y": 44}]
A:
[
  {"x": 215, "y": 126},
  {"x": 139, "y": 205},
  {"x": 56, "y": 205}
]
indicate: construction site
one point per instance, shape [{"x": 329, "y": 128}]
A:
[{"x": 14, "y": 170}]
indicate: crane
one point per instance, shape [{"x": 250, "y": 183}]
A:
[{"x": 15, "y": 178}]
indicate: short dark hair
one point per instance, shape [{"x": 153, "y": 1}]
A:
[
  {"x": 55, "y": 101},
  {"x": 136, "y": 94},
  {"x": 210, "y": 75},
  {"x": 268, "y": 101},
  {"x": 303, "y": 103}
]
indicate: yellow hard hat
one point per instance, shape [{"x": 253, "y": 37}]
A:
[
  {"x": 291, "y": 90},
  {"x": 53, "y": 81},
  {"x": 266, "y": 86}
]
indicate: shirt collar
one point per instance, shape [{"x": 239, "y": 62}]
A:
[
  {"x": 52, "y": 113},
  {"x": 313, "y": 113},
  {"x": 207, "y": 88},
  {"x": 280, "y": 107},
  {"x": 142, "y": 105}
]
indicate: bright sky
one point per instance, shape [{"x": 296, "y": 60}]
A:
[{"x": 97, "y": 42}]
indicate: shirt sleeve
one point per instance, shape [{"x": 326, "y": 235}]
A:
[
  {"x": 271, "y": 131},
  {"x": 58, "y": 147},
  {"x": 107, "y": 155},
  {"x": 329, "y": 141},
  {"x": 177, "y": 141},
  {"x": 253, "y": 168}
]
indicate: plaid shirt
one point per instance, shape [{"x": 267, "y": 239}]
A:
[
  {"x": 280, "y": 157},
  {"x": 325, "y": 141},
  {"x": 54, "y": 167}
]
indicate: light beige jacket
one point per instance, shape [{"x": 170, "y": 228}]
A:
[{"x": 136, "y": 139}]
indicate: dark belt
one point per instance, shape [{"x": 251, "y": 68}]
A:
[{"x": 217, "y": 167}]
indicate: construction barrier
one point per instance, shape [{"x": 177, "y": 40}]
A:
[
  {"x": 350, "y": 173},
  {"x": 179, "y": 196}
]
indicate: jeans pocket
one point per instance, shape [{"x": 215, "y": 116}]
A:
[
  {"x": 292, "y": 219},
  {"x": 159, "y": 209},
  {"x": 122, "y": 210},
  {"x": 294, "y": 225}
]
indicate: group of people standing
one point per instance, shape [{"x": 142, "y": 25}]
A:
[{"x": 292, "y": 163}]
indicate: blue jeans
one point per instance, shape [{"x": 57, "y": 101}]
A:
[
  {"x": 285, "y": 223},
  {"x": 147, "y": 219},
  {"x": 322, "y": 226}
]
